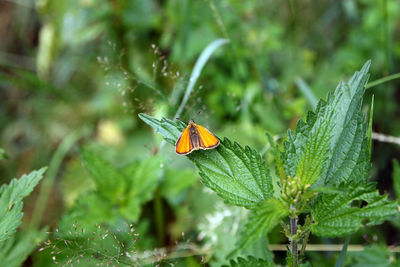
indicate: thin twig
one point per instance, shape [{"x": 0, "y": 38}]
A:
[
  {"x": 327, "y": 247},
  {"x": 386, "y": 138}
]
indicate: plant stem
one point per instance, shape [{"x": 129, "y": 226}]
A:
[
  {"x": 51, "y": 175},
  {"x": 293, "y": 242},
  {"x": 383, "y": 80}
]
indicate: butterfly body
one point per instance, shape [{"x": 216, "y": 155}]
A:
[{"x": 195, "y": 137}]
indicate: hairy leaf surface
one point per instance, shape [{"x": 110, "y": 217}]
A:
[
  {"x": 11, "y": 197},
  {"x": 261, "y": 220},
  {"x": 340, "y": 214},
  {"x": 332, "y": 145}
]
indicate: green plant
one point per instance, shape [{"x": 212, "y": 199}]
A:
[
  {"x": 14, "y": 249},
  {"x": 322, "y": 169}
]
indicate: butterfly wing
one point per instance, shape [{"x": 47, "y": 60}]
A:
[
  {"x": 183, "y": 146},
  {"x": 207, "y": 139}
]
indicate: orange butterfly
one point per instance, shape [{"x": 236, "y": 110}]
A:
[{"x": 195, "y": 137}]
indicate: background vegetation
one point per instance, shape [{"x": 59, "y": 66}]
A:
[{"x": 75, "y": 74}]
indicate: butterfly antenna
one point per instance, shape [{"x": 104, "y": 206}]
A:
[{"x": 198, "y": 113}]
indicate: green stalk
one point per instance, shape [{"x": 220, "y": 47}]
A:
[
  {"x": 383, "y": 80},
  {"x": 293, "y": 241},
  {"x": 49, "y": 179}
]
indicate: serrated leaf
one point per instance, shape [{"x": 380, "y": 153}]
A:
[
  {"x": 312, "y": 160},
  {"x": 110, "y": 183},
  {"x": 237, "y": 174},
  {"x": 332, "y": 144},
  {"x": 126, "y": 188},
  {"x": 278, "y": 159},
  {"x": 261, "y": 220},
  {"x": 396, "y": 178},
  {"x": 335, "y": 216},
  {"x": 249, "y": 262},
  {"x": 349, "y": 145},
  {"x": 11, "y": 197}
]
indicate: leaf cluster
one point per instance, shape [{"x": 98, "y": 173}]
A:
[
  {"x": 119, "y": 192},
  {"x": 323, "y": 169}
]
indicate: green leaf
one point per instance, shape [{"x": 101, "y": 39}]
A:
[
  {"x": 249, "y": 262},
  {"x": 337, "y": 215},
  {"x": 126, "y": 189},
  {"x": 396, "y": 178},
  {"x": 170, "y": 130},
  {"x": 11, "y": 197},
  {"x": 332, "y": 144},
  {"x": 237, "y": 174},
  {"x": 142, "y": 178},
  {"x": 350, "y": 152},
  {"x": 15, "y": 250},
  {"x": 261, "y": 220},
  {"x": 314, "y": 156},
  {"x": 278, "y": 159},
  {"x": 110, "y": 183}
]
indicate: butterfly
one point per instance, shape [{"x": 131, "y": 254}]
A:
[{"x": 195, "y": 137}]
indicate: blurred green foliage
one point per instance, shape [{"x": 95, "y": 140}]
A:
[{"x": 66, "y": 66}]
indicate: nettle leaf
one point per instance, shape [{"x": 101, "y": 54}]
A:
[
  {"x": 125, "y": 188},
  {"x": 340, "y": 214},
  {"x": 349, "y": 145},
  {"x": 110, "y": 183},
  {"x": 333, "y": 142},
  {"x": 261, "y": 220},
  {"x": 237, "y": 174},
  {"x": 11, "y": 197},
  {"x": 249, "y": 262}
]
